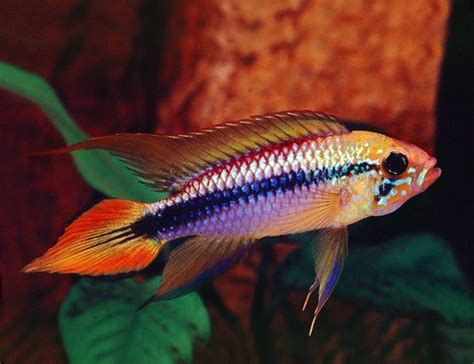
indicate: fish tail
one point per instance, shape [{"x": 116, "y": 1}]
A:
[{"x": 102, "y": 241}]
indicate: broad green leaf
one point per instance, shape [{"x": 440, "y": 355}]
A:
[
  {"x": 100, "y": 323},
  {"x": 412, "y": 275},
  {"x": 100, "y": 169}
]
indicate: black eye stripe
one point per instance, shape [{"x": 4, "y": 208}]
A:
[
  {"x": 385, "y": 189},
  {"x": 395, "y": 163}
]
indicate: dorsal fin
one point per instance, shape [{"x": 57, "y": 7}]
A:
[{"x": 167, "y": 162}]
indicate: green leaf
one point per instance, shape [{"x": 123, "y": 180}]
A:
[
  {"x": 411, "y": 275},
  {"x": 100, "y": 323},
  {"x": 100, "y": 169}
]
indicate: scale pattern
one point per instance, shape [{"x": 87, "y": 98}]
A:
[{"x": 244, "y": 195}]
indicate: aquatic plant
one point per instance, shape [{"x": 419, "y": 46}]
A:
[
  {"x": 166, "y": 330},
  {"x": 412, "y": 283},
  {"x": 100, "y": 323},
  {"x": 100, "y": 169},
  {"x": 414, "y": 276}
]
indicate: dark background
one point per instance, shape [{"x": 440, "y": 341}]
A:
[
  {"x": 123, "y": 90},
  {"x": 454, "y": 217}
]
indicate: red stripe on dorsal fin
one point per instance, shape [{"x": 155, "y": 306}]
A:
[{"x": 168, "y": 162}]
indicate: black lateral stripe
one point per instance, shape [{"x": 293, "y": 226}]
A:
[{"x": 172, "y": 217}]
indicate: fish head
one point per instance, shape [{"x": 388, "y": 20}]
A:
[{"x": 404, "y": 171}]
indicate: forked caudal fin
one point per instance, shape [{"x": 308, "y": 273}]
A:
[{"x": 101, "y": 242}]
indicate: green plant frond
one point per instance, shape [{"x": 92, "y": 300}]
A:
[
  {"x": 100, "y": 323},
  {"x": 100, "y": 169}
]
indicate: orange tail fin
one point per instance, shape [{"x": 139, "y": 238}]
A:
[{"x": 100, "y": 242}]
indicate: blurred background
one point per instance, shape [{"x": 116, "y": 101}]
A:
[{"x": 401, "y": 67}]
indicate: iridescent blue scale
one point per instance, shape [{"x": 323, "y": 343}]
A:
[{"x": 200, "y": 207}]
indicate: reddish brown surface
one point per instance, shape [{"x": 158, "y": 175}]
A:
[
  {"x": 374, "y": 61},
  {"x": 374, "y": 337},
  {"x": 41, "y": 195},
  {"x": 28, "y": 333},
  {"x": 44, "y": 194}
]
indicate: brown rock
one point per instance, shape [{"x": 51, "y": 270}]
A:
[{"x": 375, "y": 61}]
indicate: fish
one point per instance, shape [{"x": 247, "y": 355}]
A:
[{"x": 233, "y": 184}]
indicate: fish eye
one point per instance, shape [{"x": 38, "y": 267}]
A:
[{"x": 395, "y": 163}]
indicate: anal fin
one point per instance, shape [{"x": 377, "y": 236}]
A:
[
  {"x": 329, "y": 252},
  {"x": 197, "y": 259}
]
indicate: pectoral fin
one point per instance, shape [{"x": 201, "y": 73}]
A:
[
  {"x": 197, "y": 259},
  {"x": 329, "y": 251}
]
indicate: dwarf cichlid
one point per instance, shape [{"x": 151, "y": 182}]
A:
[{"x": 235, "y": 183}]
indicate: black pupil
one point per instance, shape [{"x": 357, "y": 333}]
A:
[{"x": 395, "y": 163}]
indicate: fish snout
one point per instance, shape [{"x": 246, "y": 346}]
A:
[{"x": 428, "y": 175}]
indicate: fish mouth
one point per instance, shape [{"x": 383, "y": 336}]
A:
[{"x": 428, "y": 175}]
